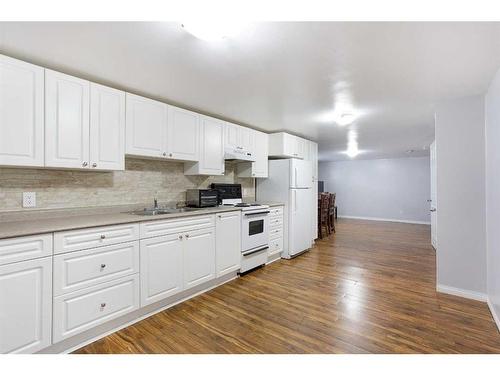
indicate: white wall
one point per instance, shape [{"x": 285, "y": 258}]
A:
[
  {"x": 461, "y": 210},
  {"x": 492, "y": 107},
  {"x": 391, "y": 189}
]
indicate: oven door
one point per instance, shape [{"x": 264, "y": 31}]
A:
[{"x": 254, "y": 230}]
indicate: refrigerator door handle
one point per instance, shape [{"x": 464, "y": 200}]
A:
[{"x": 296, "y": 185}]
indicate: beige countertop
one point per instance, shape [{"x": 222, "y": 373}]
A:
[{"x": 38, "y": 222}]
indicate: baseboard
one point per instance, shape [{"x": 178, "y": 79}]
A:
[
  {"x": 461, "y": 293},
  {"x": 386, "y": 219},
  {"x": 496, "y": 318}
]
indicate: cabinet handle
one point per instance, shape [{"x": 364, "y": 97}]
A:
[
  {"x": 103, "y": 305},
  {"x": 170, "y": 154},
  {"x": 85, "y": 163},
  {"x": 103, "y": 266},
  {"x": 94, "y": 165},
  {"x": 103, "y": 236},
  {"x": 187, "y": 235},
  {"x": 180, "y": 237},
  {"x": 164, "y": 154}
]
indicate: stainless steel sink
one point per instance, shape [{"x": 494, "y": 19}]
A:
[{"x": 164, "y": 211}]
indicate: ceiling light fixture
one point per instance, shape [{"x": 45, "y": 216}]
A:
[
  {"x": 352, "y": 144},
  {"x": 213, "y": 31}
]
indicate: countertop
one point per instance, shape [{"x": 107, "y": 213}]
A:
[{"x": 30, "y": 223}]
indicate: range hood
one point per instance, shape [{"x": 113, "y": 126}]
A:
[{"x": 238, "y": 154}]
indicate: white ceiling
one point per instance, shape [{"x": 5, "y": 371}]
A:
[{"x": 284, "y": 76}]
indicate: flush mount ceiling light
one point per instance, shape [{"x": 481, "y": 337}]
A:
[
  {"x": 345, "y": 118},
  {"x": 352, "y": 144},
  {"x": 213, "y": 31}
]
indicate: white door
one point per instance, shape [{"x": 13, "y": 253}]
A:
[
  {"x": 300, "y": 173},
  {"x": 212, "y": 146},
  {"x": 299, "y": 221},
  {"x": 261, "y": 150},
  {"x": 25, "y": 306},
  {"x": 433, "y": 195},
  {"x": 199, "y": 257},
  {"x": 228, "y": 242},
  {"x": 161, "y": 267},
  {"x": 313, "y": 152},
  {"x": 21, "y": 113},
  {"x": 183, "y": 132},
  {"x": 107, "y": 128},
  {"x": 67, "y": 108},
  {"x": 146, "y": 127}
]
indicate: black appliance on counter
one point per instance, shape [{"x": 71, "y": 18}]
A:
[
  {"x": 202, "y": 198},
  {"x": 228, "y": 193}
]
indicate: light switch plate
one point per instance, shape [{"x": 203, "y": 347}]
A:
[{"x": 29, "y": 199}]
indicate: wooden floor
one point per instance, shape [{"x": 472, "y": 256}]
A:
[{"x": 368, "y": 289}]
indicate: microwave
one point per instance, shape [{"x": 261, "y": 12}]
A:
[{"x": 202, "y": 198}]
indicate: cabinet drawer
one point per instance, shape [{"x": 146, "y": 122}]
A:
[
  {"x": 73, "y": 240},
  {"x": 77, "y": 270},
  {"x": 81, "y": 310},
  {"x": 275, "y": 245},
  {"x": 25, "y": 248},
  {"x": 276, "y": 211},
  {"x": 171, "y": 226},
  {"x": 275, "y": 232},
  {"x": 275, "y": 222}
]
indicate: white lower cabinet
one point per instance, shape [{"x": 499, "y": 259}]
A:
[
  {"x": 87, "y": 308},
  {"x": 25, "y": 306},
  {"x": 228, "y": 242},
  {"x": 199, "y": 257},
  {"x": 161, "y": 268}
]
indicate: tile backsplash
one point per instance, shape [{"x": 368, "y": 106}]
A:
[{"x": 141, "y": 181}]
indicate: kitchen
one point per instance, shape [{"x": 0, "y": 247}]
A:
[{"x": 204, "y": 196}]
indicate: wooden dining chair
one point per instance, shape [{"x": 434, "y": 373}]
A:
[
  {"x": 331, "y": 212},
  {"x": 324, "y": 202}
]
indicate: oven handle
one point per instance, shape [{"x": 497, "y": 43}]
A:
[
  {"x": 255, "y": 251},
  {"x": 258, "y": 213}
]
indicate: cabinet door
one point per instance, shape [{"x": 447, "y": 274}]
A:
[
  {"x": 161, "y": 267},
  {"x": 313, "y": 151},
  {"x": 300, "y": 147},
  {"x": 21, "y": 113},
  {"x": 247, "y": 138},
  {"x": 183, "y": 133},
  {"x": 25, "y": 306},
  {"x": 231, "y": 136},
  {"x": 146, "y": 127},
  {"x": 199, "y": 257},
  {"x": 107, "y": 128},
  {"x": 260, "y": 166},
  {"x": 66, "y": 121},
  {"x": 228, "y": 242},
  {"x": 211, "y": 147}
]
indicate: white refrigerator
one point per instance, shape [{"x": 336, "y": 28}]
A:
[{"x": 290, "y": 182}]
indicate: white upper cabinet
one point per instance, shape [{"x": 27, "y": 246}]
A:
[
  {"x": 228, "y": 242},
  {"x": 26, "y": 306},
  {"x": 211, "y": 143},
  {"x": 284, "y": 145},
  {"x": 146, "y": 127},
  {"x": 182, "y": 134},
  {"x": 67, "y": 107},
  {"x": 21, "y": 113},
  {"x": 107, "y": 128},
  {"x": 258, "y": 168},
  {"x": 239, "y": 137}
]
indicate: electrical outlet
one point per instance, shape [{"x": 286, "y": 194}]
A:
[{"x": 29, "y": 199}]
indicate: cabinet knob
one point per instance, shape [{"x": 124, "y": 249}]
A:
[
  {"x": 180, "y": 237},
  {"x": 85, "y": 163},
  {"x": 103, "y": 266},
  {"x": 170, "y": 154},
  {"x": 187, "y": 235},
  {"x": 164, "y": 154},
  {"x": 94, "y": 165},
  {"x": 103, "y": 305},
  {"x": 103, "y": 236}
]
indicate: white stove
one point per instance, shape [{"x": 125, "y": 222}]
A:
[{"x": 254, "y": 226}]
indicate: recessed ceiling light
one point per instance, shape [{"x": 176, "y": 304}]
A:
[{"x": 213, "y": 31}]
